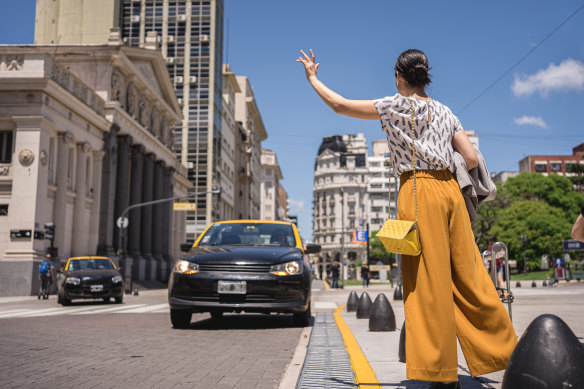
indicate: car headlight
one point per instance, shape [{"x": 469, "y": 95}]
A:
[
  {"x": 287, "y": 269},
  {"x": 117, "y": 279},
  {"x": 186, "y": 267},
  {"x": 73, "y": 281}
]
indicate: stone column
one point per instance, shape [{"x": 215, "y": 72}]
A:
[
  {"x": 122, "y": 197},
  {"x": 79, "y": 245},
  {"x": 146, "y": 219},
  {"x": 166, "y": 232},
  {"x": 107, "y": 222},
  {"x": 157, "y": 220},
  {"x": 135, "y": 215},
  {"x": 95, "y": 194},
  {"x": 60, "y": 216}
]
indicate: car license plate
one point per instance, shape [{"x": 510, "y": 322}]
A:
[
  {"x": 96, "y": 288},
  {"x": 231, "y": 287}
]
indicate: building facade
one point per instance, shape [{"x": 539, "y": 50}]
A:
[
  {"x": 252, "y": 133},
  {"x": 351, "y": 191},
  {"x": 552, "y": 164},
  {"x": 269, "y": 186},
  {"x": 86, "y": 131},
  {"x": 191, "y": 41}
]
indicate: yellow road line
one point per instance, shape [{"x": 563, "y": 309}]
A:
[
  {"x": 325, "y": 284},
  {"x": 364, "y": 375}
]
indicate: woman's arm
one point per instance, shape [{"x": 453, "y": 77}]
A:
[
  {"x": 462, "y": 144},
  {"x": 578, "y": 229},
  {"x": 361, "y": 109}
]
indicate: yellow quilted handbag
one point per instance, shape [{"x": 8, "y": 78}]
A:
[{"x": 401, "y": 236}]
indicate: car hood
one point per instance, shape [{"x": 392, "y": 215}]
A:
[
  {"x": 266, "y": 255},
  {"x": 92, "y": 273}
]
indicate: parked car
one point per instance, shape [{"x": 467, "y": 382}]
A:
[
  {"x": 243, "y": 266},
  {"x": 90, "y": 278}
]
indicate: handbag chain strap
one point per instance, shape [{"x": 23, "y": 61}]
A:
[{"x": 414, "y": 158}]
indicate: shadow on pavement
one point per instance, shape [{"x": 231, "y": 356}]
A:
[{"x": 245, "y": 322}]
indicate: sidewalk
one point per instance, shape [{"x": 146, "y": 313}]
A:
[{"x": 379, "y": 350}]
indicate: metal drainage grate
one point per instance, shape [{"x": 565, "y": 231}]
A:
[{"x": 327, "y": 363}]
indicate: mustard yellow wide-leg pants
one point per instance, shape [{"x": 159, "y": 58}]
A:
[{"x": 447, "y": 290}]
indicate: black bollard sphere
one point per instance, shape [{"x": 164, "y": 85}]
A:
[
  {"x": 518, "y": 284},
  {"x": 533, "y": 284},
  {"x": 401, "y": 352},
  {"x": 382, "y": 317},
  {"x": 544, "y": 283},
  {"x": 352, "y": 302},
  {"x": 397, "y": 293},
  {"x": 548, "y": 355},
  {"x": 364, "y": 306}
]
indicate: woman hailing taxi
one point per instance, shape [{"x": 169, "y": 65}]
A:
[{"x": 447, "y": 291}]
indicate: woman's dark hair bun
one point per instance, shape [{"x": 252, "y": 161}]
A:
[{"x": 412, "y": 65}]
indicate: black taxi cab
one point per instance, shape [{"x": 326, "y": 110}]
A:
[
  {"x": 90, "y": 277},
  {"x": 243, "y": 266}
]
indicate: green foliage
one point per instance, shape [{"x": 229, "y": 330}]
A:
[
  {"x": 543, "y": 208},
  {"x": 377, "y": 251}
]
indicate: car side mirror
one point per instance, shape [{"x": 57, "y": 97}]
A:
[
  {"x": 186, "y": 247},
  {"x": 312, "y": 248}
]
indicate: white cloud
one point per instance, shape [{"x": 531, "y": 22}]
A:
[
  {"x": 530, "y": 121},
  {"x": 296, "y": 205},
  {"x": 565, "y": 77}
]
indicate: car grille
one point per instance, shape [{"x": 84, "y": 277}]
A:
[
  {"x": 96, "y": 280},
  {"x": 234, "y": 268}
]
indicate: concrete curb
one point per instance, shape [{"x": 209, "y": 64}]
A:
[{"x": 292, "y": 372}]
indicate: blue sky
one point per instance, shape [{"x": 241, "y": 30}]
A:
[{"x": 534, "y": 109}]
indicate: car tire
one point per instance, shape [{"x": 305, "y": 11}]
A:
[
  {"x": 106, "y": 299},
  {"x": 302, "y": 319},
  {"x": 119, "y": 299},
  {"x": 180, "y": 318},
  {"x": 64, "y": 301},
  {"x": 216, "y": 315}
]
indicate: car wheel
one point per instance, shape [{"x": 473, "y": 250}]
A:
[
  {"x": 64, "y": 301},
  {"x": 180, "y": 318},
  {"x": 119, "y": 299},
  {"x": 302, "y": 319},
  {"x": 216, "y": 315},
  {"x": 106, "y": 299}
]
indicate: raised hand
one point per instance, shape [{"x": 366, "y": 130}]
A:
[{"x": 310, "y": 67}]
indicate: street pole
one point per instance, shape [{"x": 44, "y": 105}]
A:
[
  {"x": 122, "y": 238},
  {"x": 342, "y": 238},
  {"x": 367, "y": 232}
]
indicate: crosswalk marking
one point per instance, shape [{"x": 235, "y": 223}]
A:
[
  {"x": 325, "y": 305},
  {"x": 145, "y": 309},
  {"x": 108, "y": 309},
  {"x": 86, "y": 310}
]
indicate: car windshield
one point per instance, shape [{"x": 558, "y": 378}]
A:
[
  {"x": 253, "y": 234},
  {"x": 90, "y": 264}
]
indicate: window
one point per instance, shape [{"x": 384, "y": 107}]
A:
[
  {"x": 555, "y": 167},
  {"x": 5, "y": 146},
  {"x": 3, "y": 209},
  {"x": 541, "y": 167}
]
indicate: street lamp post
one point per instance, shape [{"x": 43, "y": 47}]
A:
[
  {"x": 523, "y": 242},
  {"x": 342, "y": 238},
  {"x": 123, "y": 223}
]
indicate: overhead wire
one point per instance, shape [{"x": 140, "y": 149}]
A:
[{"x": 520, "y": 60}]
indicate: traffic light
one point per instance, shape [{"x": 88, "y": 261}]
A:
[{"x": 49, "y": 230}]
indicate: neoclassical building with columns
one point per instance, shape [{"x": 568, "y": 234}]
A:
[{"x": 86, "y": 131}]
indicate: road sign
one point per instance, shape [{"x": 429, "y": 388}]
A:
[
  {"x": 122, "y": 222},
  {"x": 359, "y": 236},
  {"x": 574, "y": 245},
  {"x": 184, "y": 206}
]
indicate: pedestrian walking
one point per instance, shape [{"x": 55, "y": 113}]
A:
[
  {"x": 335, "y": 270},
  {"x": 46, "y": 275},
  {"x": 454, "y": 296},
  {"x": 365, "y": 275}
]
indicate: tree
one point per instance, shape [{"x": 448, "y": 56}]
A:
[
  {"x": 377, "y": 251},
  {"x": 488, "y": 214},
  {"x": 545, "y": 226},
  {"x": 578, "y": 178}
]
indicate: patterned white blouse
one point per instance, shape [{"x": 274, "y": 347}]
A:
[{"x": 434, "y": 127}]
